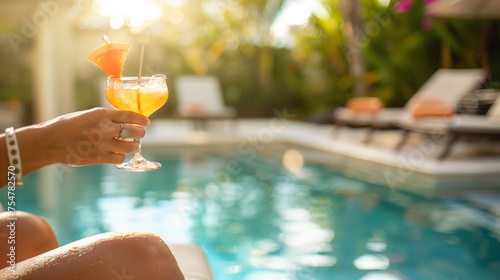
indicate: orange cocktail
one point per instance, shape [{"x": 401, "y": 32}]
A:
[
  {"x": 141, "y": 95},
  {"x": 128, "y": 94}
]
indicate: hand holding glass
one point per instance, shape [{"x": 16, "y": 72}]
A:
[{"x": 143, "y": 97}]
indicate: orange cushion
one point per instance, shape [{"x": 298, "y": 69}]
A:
[
  {"x": 415, "y": 100},
  {"x": 365, "y": 105},
  {"x": 422, "y": 107},
  {"x": 195, "y": 108}
]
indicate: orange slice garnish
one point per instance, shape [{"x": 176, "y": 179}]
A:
[{"x": 110, "y": 58}]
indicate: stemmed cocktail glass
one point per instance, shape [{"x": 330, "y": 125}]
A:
[{"x": 142, "y": 95}]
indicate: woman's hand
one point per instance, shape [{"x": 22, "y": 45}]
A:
[{"x": 80, "y": 138}]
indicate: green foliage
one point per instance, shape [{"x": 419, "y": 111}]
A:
[
  {"x": 320, "y": 58},
  {"x": 15, "y": 77},
  {"x": 400, "y": 53},
  {"x": 232, "y": 39}
]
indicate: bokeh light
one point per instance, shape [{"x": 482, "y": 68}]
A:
[
  {"x": 371, "y": 262},
  {"x": 135, "y": 11},
  {"x": 116, "y": 21},
  {"x": 176, "y": 16},
  {"x": 293, "y": 160}
]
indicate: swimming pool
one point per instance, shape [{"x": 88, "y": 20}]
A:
[{"x": 273, "y": 216}]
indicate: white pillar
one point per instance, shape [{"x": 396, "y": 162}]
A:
[
  {"x": 53, "y": 80},
  {"x": 53, "y": 65}
]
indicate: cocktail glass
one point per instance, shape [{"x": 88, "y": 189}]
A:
[{"x": 142, "y": 96}]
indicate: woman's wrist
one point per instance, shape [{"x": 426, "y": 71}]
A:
[{"x": 35, "y": 148}]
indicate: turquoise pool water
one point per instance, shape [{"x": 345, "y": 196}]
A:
[{"x": 256, "y": 219}]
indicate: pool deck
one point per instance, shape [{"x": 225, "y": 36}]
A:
[{"x": 468, "y": 162}]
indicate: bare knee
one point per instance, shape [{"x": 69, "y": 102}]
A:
[
  {"x": 30, "y": 234},
  {"x": 138, "y": 256}
]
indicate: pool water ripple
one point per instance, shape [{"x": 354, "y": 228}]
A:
[{"x": 259, "y": 219}]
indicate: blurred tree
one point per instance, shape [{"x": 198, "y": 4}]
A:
[
  {"x": 232, "y": 39},
  {"x": 322, "y": 71},
  {"x": 352, "y": 28},
  {"x": 401, "y": 54},
  {"x": 400, "y": 44}
]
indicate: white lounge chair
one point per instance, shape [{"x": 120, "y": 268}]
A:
[
  {"x": 191, "y": 261},
  {"x": 456, "y": 127},
  {"x": 199, "y": 98},
  {"x": 448, "y": 85}
]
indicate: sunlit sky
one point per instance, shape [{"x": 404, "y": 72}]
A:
[
  {"x": 296, "y": 12},
  {"x": 135, "y": 12}
]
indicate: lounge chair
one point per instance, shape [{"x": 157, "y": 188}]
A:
[
  {"x": 456, "y": 127},
  {"x": 191, "y": 261},
  {"x": 449, "y": 85},
  {"x": 373, "y": 116},
  {"x": 199, "y": 98}
]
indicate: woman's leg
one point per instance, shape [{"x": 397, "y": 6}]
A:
[
  {"x": 30, "y": 234},
  {"x": 108, "y": 256}
]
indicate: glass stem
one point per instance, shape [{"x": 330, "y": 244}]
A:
[{"x": 138, "y": 153}]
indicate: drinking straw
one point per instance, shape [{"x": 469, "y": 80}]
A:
[
  {"x": 105, "y": 38},
  {"x": 140, "y": 63},
  {"x": 143, "y": 39}
]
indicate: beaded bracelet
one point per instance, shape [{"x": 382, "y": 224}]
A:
[{"x": 14, "y": 155}]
